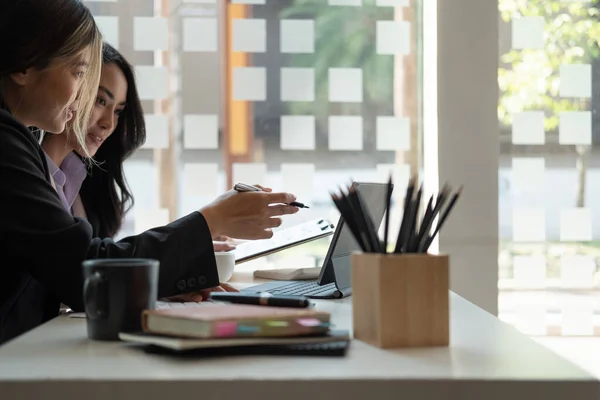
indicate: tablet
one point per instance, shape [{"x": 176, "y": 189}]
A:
[{"x": 283, "y": 239}]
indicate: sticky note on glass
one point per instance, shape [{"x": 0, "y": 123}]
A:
[
  {"x": 575, "y": 224},
  {"x": 528, "y": 128},
  {"x": 529, "y": 225},
  {"x": 200, "y": 180},
  {"x": 576, "y": 80},
  {"x": 345, "y": 2},
  {"x": 109, "y": 27},
  {"x": 150, "y": 33},
  {"x": 249, "y": 84},
  {"x": 299, "y": 178},
  {"x": 250, "y": 173},
  {"x": 345, "y": 133},
  {"x": 157, "y": 131},
  {"x": 531, "y": 319},
  {"x": 298, "y": 132},
  {"x": 149, "y": 219},
  {"x": 577, "y": 316},
  {"x": 393, "y": 3},
  {"x": 249, "y": 35},
  {"x": 528, "y": 173},
  {"x": 393, "y": 37},
  {"x": 528, "y": 33},
  {"x": 152, "y": 82},
  {"x": 577, "y": 271},
  {"x": 529, "y": 272},
  {"x": 200, "y": 131},
  {"x": 575, "y": 127},
  {"x": 345, "y": 85},
  {"x": 393, "y": 133},
  {"x": 297, "y": 36},
  {"x": 200, "y": 34},
  {"x": 297, "y": 84}
]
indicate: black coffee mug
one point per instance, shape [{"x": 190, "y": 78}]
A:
[{"x": 115, "y": 292}]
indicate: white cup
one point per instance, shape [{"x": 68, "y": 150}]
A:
[{"x": 225, "y": 264}]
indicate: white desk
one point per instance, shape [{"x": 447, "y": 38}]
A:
[{"x": 487, "y": 360}]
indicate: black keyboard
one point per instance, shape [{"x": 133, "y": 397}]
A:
[{"x": 308, "y": 288}]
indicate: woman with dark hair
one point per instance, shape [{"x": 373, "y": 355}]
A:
[{"x": 50, "y": 61}]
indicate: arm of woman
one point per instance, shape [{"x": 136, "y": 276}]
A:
[{"x": 50, "y": 243}]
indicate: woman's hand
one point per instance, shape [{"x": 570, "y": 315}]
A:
[{"x": 247, "y": 215}]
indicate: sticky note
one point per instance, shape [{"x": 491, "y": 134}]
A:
[
  {"x": 345, "y": 85},
  {"x": 200, "y": 131},
  {"x": 575, "y": 224},
  {"x": 345, "y": 2},
  {"x": 393, "y": 3},
  {"x": 200, "y": 34},
  {"x": 152, "y": 82},
  {"x": 393, "y": 133},
  {"x": 531, "y": 319},
  {"x": 297, "y": 36},
  {"x": 150, "y": 218},
  {"x": 157, "y": 131},
  {"x": 529, "y": 225},
  {"x": 528, "y": 174},
  {"x": 109, "y": 27},
  {"x": 393, "y": 37},
  {"x": 200, "y": 179},
  {"x": 528, "y": 128},
  {"x": 249, "y": 83},
  {"x": 299, "y": 179},
  {"x": 297, "y": 84},
  {"x": 298, "y": 132},
  {"x": 150, "y": 33},
  {"x": 528, "y": 33},
  {"x": 249, "y": 35},
  {"x": 575, "y": 127},
  {"x": 529, "y": 272},
  {"x": 576, "y": 80},
  {"x": 225, "y": 328},
  {"x": 577, "y": 316},
  {"x": 345, "y": 133},
  {"x": 250, "y": 173},
  {"x": 577, "y": 271}
]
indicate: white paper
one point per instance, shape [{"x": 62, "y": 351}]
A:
[
  {"x": 575, "y": 127},
  {"x": 393, "y": 37},
  {"x": 200, "y": 179},
  {"x": 299, "y": 179},
  {"x": 297, "y": 36},
  {"x": 575, "y": 224},
  {"x": 528, "y": 33},
  {"x": 576, "y": 80},
  {"x": 200, "y": 131},
  {"x": 577, "y": 271},
  {"x": 249, "y": 84},
  {"x": 152, "y": 82},
  {"x": 109, "y": 27},
  {"x": 577, "y": 316},
  {"x": 529, "y": 225},
  {"x": 529, "y": 272},
  {"x": 150, "y": 33},
  {"x": 149, "y": 219},
  {"x": 528, "y": 128},
  {"x": 157, "y": 131},
  {"x": 200, "y": 34},
  {"x": 250, "y": 173},
  {"x": 393, "y": 133},
  {"x": 297, "y": 132},
  {"x": 345, "y": 2},
  {"x": 528, "y": 174},
  {"x": 393, "y": 3},
  {"x": 297, "y": 84},
  {"x": 345, "y": 133},
  {"x": 249, "y": 35},
  {"x": 345, "y": 85}
]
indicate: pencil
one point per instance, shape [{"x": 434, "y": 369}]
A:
[
  {"x": 387, "y": 215},
  {"x": 443, "y": 218}
]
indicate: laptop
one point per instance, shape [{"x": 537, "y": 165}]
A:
[{"x": 334, "y": 280}]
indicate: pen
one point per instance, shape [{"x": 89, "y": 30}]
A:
[
  {"x": 262, "y": 299},
  {"x": 242, "y": 187}
]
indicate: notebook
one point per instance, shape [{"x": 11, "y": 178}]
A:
[{"x": 235, "y": 320}]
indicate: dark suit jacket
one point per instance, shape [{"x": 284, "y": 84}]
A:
[{"x": 42, "y": 245}]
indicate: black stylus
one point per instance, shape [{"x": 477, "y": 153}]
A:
[{"x": 263, "y": 299}]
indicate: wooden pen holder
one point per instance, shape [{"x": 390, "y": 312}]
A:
[{"x": 401, "y": 300}]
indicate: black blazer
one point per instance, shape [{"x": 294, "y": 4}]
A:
[{"x": 42, "y": 245}]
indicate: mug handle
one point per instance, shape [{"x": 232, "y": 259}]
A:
[{"x": 94, "y": 295}]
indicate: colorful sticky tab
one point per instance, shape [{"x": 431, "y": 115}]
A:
[
  {"x": 247, "y": 329},
  {"x": 309, "y": 322},
  {"x": 277, "y": 324},
  {"x": 225, "y": 329}
]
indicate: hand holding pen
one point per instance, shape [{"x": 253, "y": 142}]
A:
[{"x": 242, "y": 187}]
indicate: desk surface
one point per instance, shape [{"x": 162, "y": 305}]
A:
[{"x": 487, "y": 359}]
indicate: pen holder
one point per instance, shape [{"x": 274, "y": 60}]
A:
[{"x": 401, "y": 300}]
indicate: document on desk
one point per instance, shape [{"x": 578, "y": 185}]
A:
[{"x": 283, "y": 239}]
